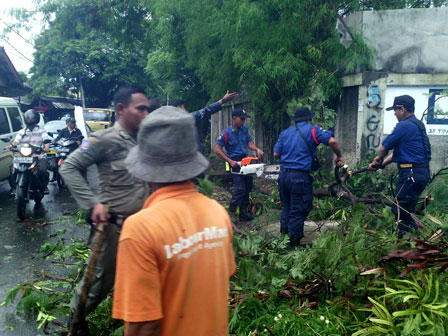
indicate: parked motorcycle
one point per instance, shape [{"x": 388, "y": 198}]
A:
[
  {"x": 26, "y": 172},
  {"x": 65, "y": 147}
]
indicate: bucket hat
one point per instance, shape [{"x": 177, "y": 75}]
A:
[
  {"x": 303, "y": 114},
  {"x": 167, "y": 149}
]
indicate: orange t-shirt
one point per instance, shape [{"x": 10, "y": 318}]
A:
[{"x": 174, "y": 261}]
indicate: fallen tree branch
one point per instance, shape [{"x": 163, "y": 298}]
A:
[
  {"x": 350, "y": 197},
  {"x": 346, "y": 194}
]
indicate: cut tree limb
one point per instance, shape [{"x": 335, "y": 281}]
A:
[{"x": 96, "y": 249}]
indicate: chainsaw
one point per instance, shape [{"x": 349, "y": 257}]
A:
[{"x": 252, "y": 166}]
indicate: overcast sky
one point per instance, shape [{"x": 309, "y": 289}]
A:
[{"x": 18, "y": 46}]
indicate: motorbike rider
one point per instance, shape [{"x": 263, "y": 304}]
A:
[
  {"x": 71, "y": 131},
  {"x": 36, "y": 136}
]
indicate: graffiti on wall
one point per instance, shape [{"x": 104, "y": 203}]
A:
[{"x": 373, "y": 138}]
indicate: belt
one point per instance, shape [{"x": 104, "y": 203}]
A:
[
  {"x": 413, "y": 165},
  {"x": 294, "y": 170},
  {"x": 117, "y": 219}
]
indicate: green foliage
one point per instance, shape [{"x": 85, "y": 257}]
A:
[
  {"x": 409, "y": 307},
  {"x": 438, "y": 190},
  {"x": 48, "y": 297},
  {"x": 99, "y": 45},
  {"x": 102, "y": 322},
  {"x": 379, "y": 183},
  {"x": 270, "y": 279},
  {"x": 265, "y": 198},
  {"x": 278, "y": 54},
  {"x": 280, "y": 291},
  {"x": 204, "y": 185},
  {"x": 339, "y": 286},
  {"x": 375, "y": 184},
  {"x": 60, "y": 251},
  {"x": 295, "y": 63}
]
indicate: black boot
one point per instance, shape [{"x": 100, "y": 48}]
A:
[
  {"x": 83, "y": 327},
  {"x": 232, "y": 213},
  {"x": 245, "y": 216},
  {"x": 295, "y": 243}
]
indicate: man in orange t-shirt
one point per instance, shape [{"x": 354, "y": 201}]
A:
[{"x": 175, "y": 256}]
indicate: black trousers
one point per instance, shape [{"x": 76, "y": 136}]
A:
[
  {"x": 43, "y": 175},
  {"x": 296, "y": 194},
  {"x": 410, "y": 184}
]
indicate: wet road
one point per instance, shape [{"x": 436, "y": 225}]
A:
[{"x": 20, "y": 241}]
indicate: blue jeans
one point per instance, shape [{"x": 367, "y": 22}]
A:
[
  {"x": 296, "y": 194},
  {"x": 410, "y": 184}
]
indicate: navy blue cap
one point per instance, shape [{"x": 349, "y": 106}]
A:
[
  {"x": 240, "y": 112},
  {"x": 403, "y": 101}
]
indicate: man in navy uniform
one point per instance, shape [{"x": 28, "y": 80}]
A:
[
  {"x": 236, "y": 139},
  {"x": 412, "y": 153},
  {"x": 204, "y": 113},
  {"x": 295, "y": 147}
]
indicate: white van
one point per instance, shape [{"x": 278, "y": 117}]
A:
[{"x": 11, "y": 121}]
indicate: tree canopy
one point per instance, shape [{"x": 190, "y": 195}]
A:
[
  {"x": 99, "y": 44},
  {"x": 278, "y": 53}
]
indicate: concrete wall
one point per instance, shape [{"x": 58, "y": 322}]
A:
[
  {"x": 347, "y": 124},
  {"x": 406, "y": 40},
  {"x": 365, "y": 97}
]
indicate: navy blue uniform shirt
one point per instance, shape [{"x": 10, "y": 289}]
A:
[
  {"x": 236, "y": 147},
  {"x": 407, "y": 142},
  {"x": 294, "y": 153},
  {"x": 204, "y": 113}
]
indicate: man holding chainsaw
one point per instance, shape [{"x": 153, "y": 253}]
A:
[
  {"x": 295, "y": 147},
  {"x": 236, "y": 139},
  {"x": 412, "y": 153},
  {"x": 121, "y": 194}
]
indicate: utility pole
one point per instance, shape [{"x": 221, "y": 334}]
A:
[{"x": 82, "y": 93}]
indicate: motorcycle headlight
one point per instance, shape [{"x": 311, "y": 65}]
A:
[{"x": 26, "y": 151}]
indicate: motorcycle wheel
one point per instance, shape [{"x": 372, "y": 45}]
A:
[
  {"x": 21, "y": 203},
  {"x": 61, "y": 183}
]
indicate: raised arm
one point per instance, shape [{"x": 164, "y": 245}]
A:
[{"x": 211, "y": 109}]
